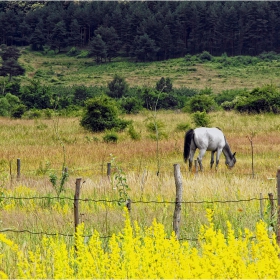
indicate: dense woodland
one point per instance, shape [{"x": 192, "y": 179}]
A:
[{"x": 145, "y": 30}]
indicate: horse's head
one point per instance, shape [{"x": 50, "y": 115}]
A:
[{"x": 231, "y": 162}]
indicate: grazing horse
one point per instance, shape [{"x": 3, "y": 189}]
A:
[{"x": 207, "y": 139}]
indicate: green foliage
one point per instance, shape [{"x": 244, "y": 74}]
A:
[
  {"x": 164, "y": 85},
  {"x": 118, "y": 87},
  {"x": 102, "y": 113},
  {"x": 156, "y": 128},
  {"x": 120, "y": 182},
  {"x": 259, "y": 100},
  {"x": 201, "y": 119},
  {"x": 202, "y": 102},
  {"x": 134, "y": 135},
  {"x": 131, "y": 105},
  {"x": 18, "y": 111},
  {"x": 73, "y": 51},
  {"x": 111, "y": 137},
  {"x": 205, "y": 56},
  {"x": 59, "y": 183},
  {"x": 227, "y": 95},
  {"x": 183, "y": 126}
]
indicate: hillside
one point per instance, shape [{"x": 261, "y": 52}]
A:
[{"x": 61, "y": 69}]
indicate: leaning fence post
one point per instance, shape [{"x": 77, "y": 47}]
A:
[
  {"x": 76, "y": 202},
  {"x": 177, "y": 211},
  {"x": 278, "y": 206}
]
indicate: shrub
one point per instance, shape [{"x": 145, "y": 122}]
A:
[
  {"x": 164, "y": 85},
  {"x": 18, "y": 111},
  {"x": 111, "y": 137},
  {"x": 201, "y": 119},
  {"x": 134, "y": 135},
  {"x": 205, "y": 56},
  {"x": 202, "y": 102},
  {"x": 131, "y": 105},
  {"x": 183, "y": 126},
  {"x": 117, "y": 87},
  {"x": 102, "y": 113}
]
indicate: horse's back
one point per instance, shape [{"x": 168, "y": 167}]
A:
[{"x": 209, "y": 138}]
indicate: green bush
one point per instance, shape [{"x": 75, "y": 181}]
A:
[
  {"x": 102, "y": 113},
  {"x": 202, "y": 102},
  {"x": 111, "y": 137},
  {"x": 18, "y": 111},
  {"x": 201, "y": 119},
  {"x": 183, "y": 126},
  {"x": 131, "y": 105},
  {"x": 134, "y": 135},
  {"x": 118, "y": 87},
  {"x": 259, "y": 100}
]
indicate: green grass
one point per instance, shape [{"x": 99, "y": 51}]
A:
[{"x": 64, "y": 70}]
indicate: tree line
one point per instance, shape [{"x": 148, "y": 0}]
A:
[{"x": 143, "y": 30}]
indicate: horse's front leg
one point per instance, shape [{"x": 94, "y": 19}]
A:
[
  {"x": 212, "y": 159},
  {"x": 218, "y": 158}
]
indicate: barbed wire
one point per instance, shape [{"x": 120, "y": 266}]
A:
[
  {"x": 191, "y": 239},
  {"x": 133, "y": 202}
]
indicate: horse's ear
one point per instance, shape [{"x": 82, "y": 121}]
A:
[{"x": 234, "y": 154}]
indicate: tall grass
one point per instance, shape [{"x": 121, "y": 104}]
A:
[{"x": 41, "y": 153}]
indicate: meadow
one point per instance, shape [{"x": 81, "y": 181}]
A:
[{"x": 32, "y": 210}]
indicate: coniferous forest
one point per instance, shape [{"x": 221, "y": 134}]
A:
[{"x": 144, "y": 30}]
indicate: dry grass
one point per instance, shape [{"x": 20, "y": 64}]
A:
[{"x": 36, "y": 143}]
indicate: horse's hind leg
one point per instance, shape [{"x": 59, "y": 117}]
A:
[
  {"x": 191, "y": 159},
  {"x": 199, "y": 159}
]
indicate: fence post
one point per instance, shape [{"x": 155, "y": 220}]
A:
[
  {"x": 108, "y": 169},
  {"x": 278, "y": 206},
  {"x": 76, "y": 202},
  {"x": 18, "y": 168},
  {"x": 272, "y": 210},
  {"x": 261, "y": 206},
  {"x": 177, "y": 211}
]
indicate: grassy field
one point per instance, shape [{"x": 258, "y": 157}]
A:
[
  {"x": 147, "y": 165},
  {"x": 42, "y": 145},
  {"x": 65, "y": 70}
]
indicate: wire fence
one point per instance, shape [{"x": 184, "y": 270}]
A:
[
  {"x": 131, "y": 206},
  {"x": 177, "y": 203}
]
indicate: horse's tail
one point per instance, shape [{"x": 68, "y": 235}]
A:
[{"x": 187, "y": 144}]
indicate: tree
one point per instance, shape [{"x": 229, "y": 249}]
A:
[
  {"x": 118, "y": 87},
  {"x": 164, "y": 85},
  {"x": 97, "y": 48},
  {"x": 38, "y": 38},
  {"x": 110, "y": 37},
  {"x": 102, "y": 113},
  {"x": 145, "y": 48},
  {"x": 59, "y": 38},
  {"x": 10, "y": 66}
]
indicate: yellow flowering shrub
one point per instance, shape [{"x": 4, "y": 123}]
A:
[{"x": 137, "y": 253}]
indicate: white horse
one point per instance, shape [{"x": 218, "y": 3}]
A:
[{"x": 207, "y": 139}]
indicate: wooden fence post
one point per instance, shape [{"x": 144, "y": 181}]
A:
[
  {"x": 76, "y": 202},
  {"x": 272, "y": 209},
  {"x": 108, "y": 169},
  {"x": 18, "y": 168},
  {"x": 177, "y": 211},
  {"x": 278, "y": 206},
  {"x": 261, "y": 206}
]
